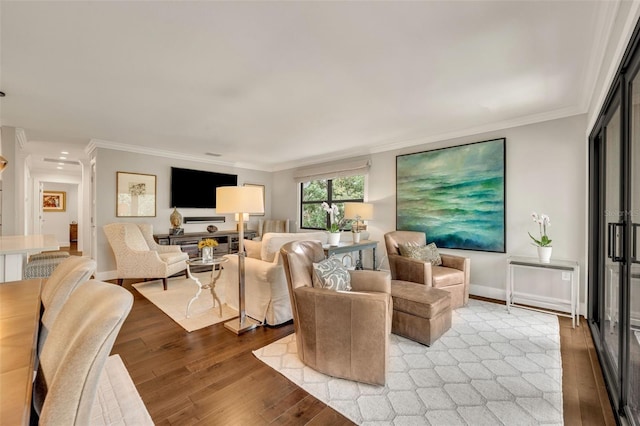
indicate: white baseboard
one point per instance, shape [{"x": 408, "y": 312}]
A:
[{"x": 524, "y": 298}]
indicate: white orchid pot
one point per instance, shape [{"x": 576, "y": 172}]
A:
[
  {"x": 356, "y": 237},
  {"x": 544, "y": 254},
  {"x": 334, "y": 238}
]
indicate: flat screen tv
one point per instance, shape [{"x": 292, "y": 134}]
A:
[{"x": 197, "y": 188}]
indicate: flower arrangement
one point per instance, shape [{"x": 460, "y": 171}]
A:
[
  {"x": 543, "y": 221},
  {"x": 208, "y": 242},
  {"x": 333, "y": 212}
]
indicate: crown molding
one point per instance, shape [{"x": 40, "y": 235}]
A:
[
  {"x": 99, "y": 143},
  {"x": 606, "y": 17}
]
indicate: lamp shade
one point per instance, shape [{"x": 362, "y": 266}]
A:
[
  {"x": 358, "y": 211},
  {"x": 239, "y": 199}
]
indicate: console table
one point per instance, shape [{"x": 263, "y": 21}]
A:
[
  {"x": 348, "y": 247},
  {"x": 227, "y": 241},
  {"x": 565, "y": 266}
]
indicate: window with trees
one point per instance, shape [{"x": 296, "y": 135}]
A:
[{"x": 331, "y": 191}]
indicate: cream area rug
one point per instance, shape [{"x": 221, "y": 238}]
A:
[
  {"x": 490, "y": 368},
  {"x": 175, "y": 299}
]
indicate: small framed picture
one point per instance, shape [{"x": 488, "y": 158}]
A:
[
  {"x": 136, "y": 195},
  {"x": 54, "y": 201}
]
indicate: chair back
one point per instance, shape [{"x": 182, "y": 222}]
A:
[
  {"x": 76, "y": 270},
  {"x": 298, "y": 258},
  {"x": 146, "y": 229},
  {"x": 272, "y": 225},
  {"x": 124, "y": 237},
  {"x": 392, "y": 239},
  {"x": 74, "y": 354}
]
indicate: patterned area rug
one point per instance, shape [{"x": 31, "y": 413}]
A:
[
  {"x": 490, "y": 368},
  {"x": 175, "y": 299}
]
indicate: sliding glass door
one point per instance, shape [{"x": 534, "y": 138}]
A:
[
  {"x": 633, "y": 389},
  {"x": 614, "y": 236}
]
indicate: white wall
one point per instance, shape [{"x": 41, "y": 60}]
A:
[
  {"x": 545, "y": 173},
  {"x": 108, "y": 162},
  {"x": 57, "y": 223}
]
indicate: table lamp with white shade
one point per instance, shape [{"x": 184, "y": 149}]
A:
[
  {"x": 358, "y": 212},
  {"x": 241, "y": 200}
]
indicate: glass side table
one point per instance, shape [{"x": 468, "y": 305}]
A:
[
  {"x": 211, "y": 286},
  {"x": 566, "y": 266}
]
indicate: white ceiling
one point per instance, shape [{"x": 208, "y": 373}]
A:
[{"x": 273, "y": 85}]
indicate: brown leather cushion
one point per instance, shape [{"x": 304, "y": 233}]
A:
[
  {"x": 444, "y": 277},
  {"x": 418, "y": 299}
]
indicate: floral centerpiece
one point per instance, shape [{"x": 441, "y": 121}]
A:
[
  {"x": 544, "y": 242},
  {"x": 207, "y": 246}
]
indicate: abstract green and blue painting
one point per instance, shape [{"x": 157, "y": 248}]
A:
[{"x": 455, "y": 195}]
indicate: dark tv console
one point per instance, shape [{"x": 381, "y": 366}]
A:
[{"x": 227, "y": 241}]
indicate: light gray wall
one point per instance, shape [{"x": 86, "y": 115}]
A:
[
  {"x": 57, "y": 223},
  {"x": 545, "y": 173},
  {"x": 108, "y": 162},
  {"x": 10, "y": 212}
]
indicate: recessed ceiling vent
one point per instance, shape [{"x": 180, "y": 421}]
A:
[
  {"x": 56, "y": 160},
  {"x": 213, "y": 154}
]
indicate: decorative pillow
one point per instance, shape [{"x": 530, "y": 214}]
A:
[
  {"x": 331, "y": 274},
  {"x": 428, "y": 253},
  {"x": 253, "y": 248}
]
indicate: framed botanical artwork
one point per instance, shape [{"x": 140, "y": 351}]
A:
[
  {"x": 264, "y": 201},
  {"x": 455, "y": 195},
  {"x": 54, "y": 201},
  {"x": 135, "y": 195}
]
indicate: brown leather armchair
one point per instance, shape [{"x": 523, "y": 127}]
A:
[
  {"x": 340, "y": 333},
  {"x": 452, "y": 275}
]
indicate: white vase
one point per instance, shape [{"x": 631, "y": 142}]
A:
[
  {"x": 207, "y": 254},
  {"x": 356, "y": 237},
  {"x": 544, "y": 254},
  {"x": 334, "y": 238}
]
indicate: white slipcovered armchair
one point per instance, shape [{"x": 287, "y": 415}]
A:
[
  {"x": 266, "y": 290},
  {"x": 138, "y": 256}
]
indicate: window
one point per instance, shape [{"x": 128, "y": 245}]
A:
[{"x": 332, "y": 191}]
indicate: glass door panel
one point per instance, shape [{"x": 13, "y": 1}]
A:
[
  {"x": 634, "y": 289},
  {"x": 613, "y": 218}
]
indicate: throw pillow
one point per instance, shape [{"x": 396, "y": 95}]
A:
[
  {"x": 428, "y": 253},
  {"x": 252, "y": 248},
  {"x": 331, "y": 274}
]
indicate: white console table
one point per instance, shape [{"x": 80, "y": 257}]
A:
[
  {"x": 566, "y": 266},
  {"x": 15, "y": 248}
]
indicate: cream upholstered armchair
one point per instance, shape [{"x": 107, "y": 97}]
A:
[
  {"x": 340, "y": 333},
  {"x": 271, "y": 225},
  {"x": 138, "y": 256},
  {"x": 452, "y": 275},
  {"x": 266, "y": 295}
]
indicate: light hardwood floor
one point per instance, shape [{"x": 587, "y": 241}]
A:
[{"x": 210, "y": 377}]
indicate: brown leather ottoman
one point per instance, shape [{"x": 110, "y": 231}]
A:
[{"x": 420, "y": 313}]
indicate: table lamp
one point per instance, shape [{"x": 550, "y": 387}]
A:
[
  {"x": 240, "y": 200},
  {"x": 358, "y": 211}
]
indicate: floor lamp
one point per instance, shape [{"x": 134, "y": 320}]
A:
[{"x": 241, "y": 200}]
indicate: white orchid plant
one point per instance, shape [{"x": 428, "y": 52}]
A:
[
  {"x": 543, "y": 221},
  {"x": 333, "y": 213}
]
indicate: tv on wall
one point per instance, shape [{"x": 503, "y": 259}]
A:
[{"x": 197, "y": 188}]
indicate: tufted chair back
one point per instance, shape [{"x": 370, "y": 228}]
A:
[{"x": 74, "y": 354}]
